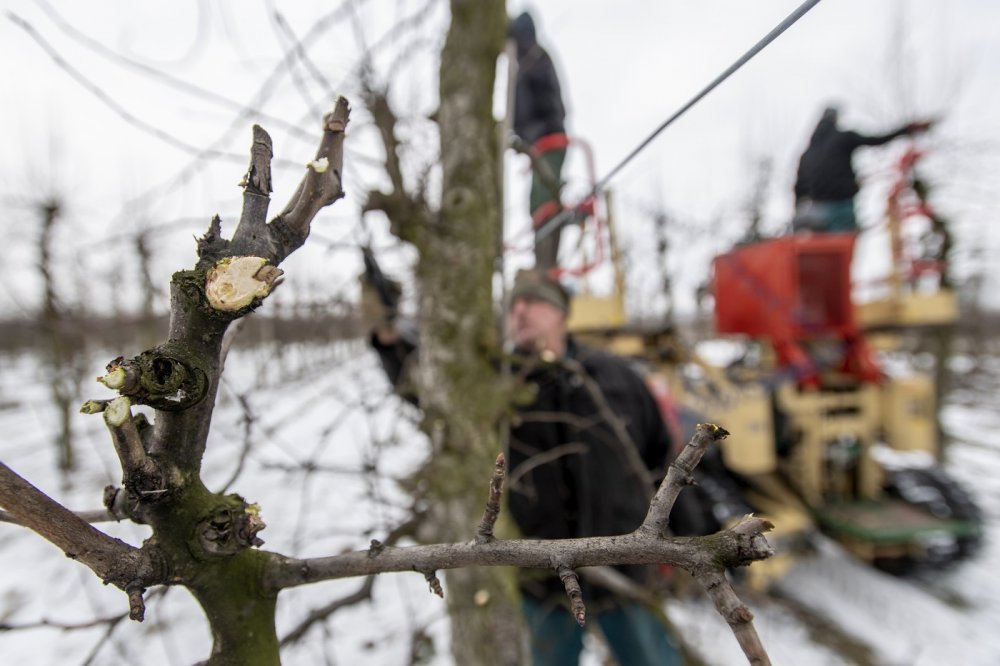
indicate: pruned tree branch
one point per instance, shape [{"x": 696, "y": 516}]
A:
[
  {"x": 680, "y": 474},
  {"x": 95, "y": 516},
  {"x": 112, "y": 560},
  {"x": 141, "y": 474},
  {"x": 485, "y": 532},
  {"x": 321, "y": 186},
  {"x": 258, "y": 176},
  {"x": 736, "y": 546},
  {"x": 705, "y": 558},
  {"x": 207, "y": 541},
  {"x": 571, "y": 582}
]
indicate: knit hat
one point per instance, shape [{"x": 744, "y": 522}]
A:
[{"x": 536, "y": 285}]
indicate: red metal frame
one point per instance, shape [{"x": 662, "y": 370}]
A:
[{"x": 791, "y": 290}]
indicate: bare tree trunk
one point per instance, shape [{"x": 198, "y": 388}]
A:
[{"x": 458, "y": 337}]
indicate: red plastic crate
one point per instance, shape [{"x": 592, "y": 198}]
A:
[{"x": 790, "y": 288}]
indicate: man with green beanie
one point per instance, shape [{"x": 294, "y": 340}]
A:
[{"x": 583, "y": 458}]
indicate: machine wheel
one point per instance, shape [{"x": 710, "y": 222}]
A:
[{"x": 934, "y": 491}]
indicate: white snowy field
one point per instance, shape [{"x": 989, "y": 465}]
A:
[{"x": 320, "y": 451}]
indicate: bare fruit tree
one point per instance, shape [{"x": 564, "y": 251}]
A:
[{"x": 207, "y": 542}]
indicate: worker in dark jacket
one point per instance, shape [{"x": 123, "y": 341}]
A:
[
  {"x": 825, "y": 184},
  {"x": 539, "y": 123},
  {"x": 584, "y": 457}
]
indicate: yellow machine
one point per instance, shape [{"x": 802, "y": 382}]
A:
[{"x": 823, "y": 438}]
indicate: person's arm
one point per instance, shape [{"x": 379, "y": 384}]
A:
[
  {"x": 879, "y": 139},
  {"x": 395, "y": 345},
  {"x": 393, "y": 339}
]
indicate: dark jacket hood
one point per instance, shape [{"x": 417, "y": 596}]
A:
[{"x": 522, "y": 30}]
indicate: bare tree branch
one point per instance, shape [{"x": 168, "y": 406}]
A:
[
  {"x": 575, "y": 593},
  {"x": 705, "y": 558},
  {"x": 680, "y": 474},
  {"x": 114, "y": 561},
  {"x": 322, "y": 184},
  {"x": 95, "y": 516},
  {"x": 485, "y": 531},
  {"x": 736, "y": 546},
  {"x": 363, "y": 593},
  {"x": 731, "y": 547}
]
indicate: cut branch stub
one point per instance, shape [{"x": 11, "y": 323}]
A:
[
  {"x": 434, "y": 583},
  {"x": 170, "y": 382},
  {"x": 571, "y": 582},
  {"x": 236, "y": 283},
  {"x": 751, "y": 546},
  {"x": 231, "y": 527},
  {"x": 122, "y": 504},
  {"x": 321, "y": 186},
  {"x": 212, "y": 244},
  {"x": 141, "y": 475},
  {"x": 485, "y": 532},
  {"x": 258, "y": 176},
  {"x": 166, "y": 377},
  {"x": 120, "y": 377}
]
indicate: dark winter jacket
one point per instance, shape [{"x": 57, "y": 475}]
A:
[
  {"x": 826, "y": 172},
  {"x": 570, "y": 474},
  {"x": 538, "y": 105}
]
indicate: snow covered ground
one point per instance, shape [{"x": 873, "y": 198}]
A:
[{"x": 325, "y": 410}]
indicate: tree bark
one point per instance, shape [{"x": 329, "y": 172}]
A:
[
  {"x": 202, "y": 540},
  {"x": 455, "y": 379}
]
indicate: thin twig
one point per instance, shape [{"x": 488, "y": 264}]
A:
[
  {"x": 679, "y": 475},
  {"x": 127, "y": 441},
  {"x": 434, "y": 583},
  {"x": 363, "y": 593},
  {"x": 492, "y": 512},
  {"x": 572, "y": 584}
]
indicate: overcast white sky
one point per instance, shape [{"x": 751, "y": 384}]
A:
[{"x": 625, "y": 67}]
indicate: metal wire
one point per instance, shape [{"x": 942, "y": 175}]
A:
[{"x": 567, "y": 213}]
